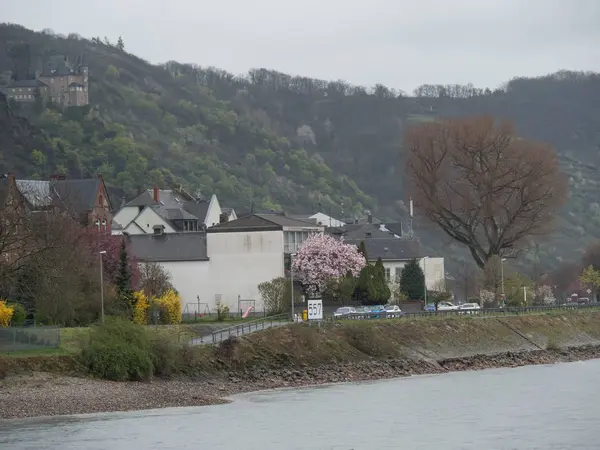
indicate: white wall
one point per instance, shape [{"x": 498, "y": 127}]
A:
[
  {"x": 326, "y": 220},
  {"x": 148, "y": 218},
  {"x": 125, "y": 215},
  {"x": 189, "y": 278},
  {"x": 434, "y": 271},
  {"x": 239, "y": 262},
  {"x": 213, "y": 215}
]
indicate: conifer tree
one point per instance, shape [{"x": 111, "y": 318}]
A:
[
  {"x": 412, "y": 281},
  {"x": 123, "y": 281}
]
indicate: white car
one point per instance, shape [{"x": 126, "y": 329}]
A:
[
  {"x": 446, "y": 306},
  {"x": 393, "y": 311},
  {"x": 469, "y": 308},
  {"x": 344, "y": 311}
]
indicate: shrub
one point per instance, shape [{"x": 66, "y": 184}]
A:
[
  {"x": 140, "y": 311},
  {"x": 166, "y": 354},
  {"x": 169, "y": 306},
  {"x": 19, "y": 314},
  {"x": 118, "y": 350},
  {"x": 6, "y": 314},
  {"x": 222, "y": 312}
]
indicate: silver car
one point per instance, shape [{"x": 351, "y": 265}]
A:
[{"x": 343, "y": 311}]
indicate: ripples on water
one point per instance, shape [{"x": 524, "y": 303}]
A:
[{"x": 538, "y": 407}]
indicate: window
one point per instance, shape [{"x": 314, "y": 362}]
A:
[
  {"x": 98, "y": 224},
  {"x": 398, "y": 274},
  {"x": 387, "y": 274},
  {"x": 104, "y": 224}
]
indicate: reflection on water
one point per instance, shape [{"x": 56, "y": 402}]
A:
[{"x": 537, "y": 407}]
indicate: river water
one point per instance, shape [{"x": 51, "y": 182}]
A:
[{"x": 536, "y": 407}]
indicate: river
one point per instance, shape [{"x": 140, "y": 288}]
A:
[{"x": 535, "y": 407}]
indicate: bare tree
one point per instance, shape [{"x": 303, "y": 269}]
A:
[
  {"x": 155, "y": 280},
  {"x": 482, "y": 185},
  {"x": 466, "y": 276}
]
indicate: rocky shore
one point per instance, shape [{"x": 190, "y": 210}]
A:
[{"x": 43, "y": 394}]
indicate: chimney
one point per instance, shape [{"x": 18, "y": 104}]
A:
[
  {"x": 156, "y": 196},
  {"x": 369, "y": 218}
]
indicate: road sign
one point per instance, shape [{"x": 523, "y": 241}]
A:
[{"x": 315, "y": 309}]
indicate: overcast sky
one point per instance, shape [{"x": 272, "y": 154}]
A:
[{"x": 399, "y": 43}]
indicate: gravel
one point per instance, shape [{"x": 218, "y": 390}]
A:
[{"x": 44, "y": 394}]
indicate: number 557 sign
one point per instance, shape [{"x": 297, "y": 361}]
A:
[{"x": 315, "y": 309}]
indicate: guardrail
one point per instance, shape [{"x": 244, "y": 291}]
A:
[
  {"x": 477, "y": 312},
  {"x": 242, "y": 329}
]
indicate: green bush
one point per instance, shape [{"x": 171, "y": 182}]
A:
[
  {"x": 119, "y": 350},
  {"x": 19, "y": 315},
  {"x": 166, "y": 354}
]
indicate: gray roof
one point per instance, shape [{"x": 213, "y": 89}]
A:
[
  {"x": 168, "y": 198},
  {"x": 37, "y": 192},
  {"x": 23, "y": 84},
  {"x": 78, "y": 195},
  {"x": 198, "y": 208},
  {"x": 190, "y": 246},
  {"x": 389, "y": 249},
  {"x": 261, "y": 222}
]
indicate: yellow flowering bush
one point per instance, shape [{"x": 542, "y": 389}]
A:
[
  {"x": 6, "y": 313},
  {"x": 140, "y": 311},
  {"x": 169, "y": 305}
]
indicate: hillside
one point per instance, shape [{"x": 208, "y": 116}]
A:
[{"x": 288, "y": 142}]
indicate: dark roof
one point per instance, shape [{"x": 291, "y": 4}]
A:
[
  {"x": 260, "y": 222},
  {"x": 198, "y": 208},
  {"x": 170, "y": 199},
  {"x": 396, "y": 228},
  {"x": 169, "y": 247},
  {"x": 389, "y": 249},
  {"x": 76, "y": 84},
  {"x": 23, "y": 84},
  {"x": 78, "y": 195}
]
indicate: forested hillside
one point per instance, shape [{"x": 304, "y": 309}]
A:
[{"x": 284, "y": 142}]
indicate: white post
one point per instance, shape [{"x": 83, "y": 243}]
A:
[
  {"x": 525, "y": 294},
  {"x": 425, "y": 280}
]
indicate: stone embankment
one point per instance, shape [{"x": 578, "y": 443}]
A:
[{"x": 301, "y": 356}]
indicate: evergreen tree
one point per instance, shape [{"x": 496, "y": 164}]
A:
[
  {"x": 365, "y": 290},
  {"x": 381, "y": 285},
  {"x": 123, "y": 281},
  {"x": 121, "y": 44},
  {"x": 412, "y": 281},
  {"x": 362, "y": 249}
]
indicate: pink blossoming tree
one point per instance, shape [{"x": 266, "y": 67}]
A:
[{"x": 323, "y": 258}]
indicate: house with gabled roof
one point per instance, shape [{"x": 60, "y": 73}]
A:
[
  {"x": 86, "y": 200},
  {"x": 167, "y": 211}
]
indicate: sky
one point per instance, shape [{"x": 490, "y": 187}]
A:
[{"x": 401, "y": 44}]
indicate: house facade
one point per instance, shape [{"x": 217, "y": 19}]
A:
[{"x": 167, "y": 211}]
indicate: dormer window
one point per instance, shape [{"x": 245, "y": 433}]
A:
[{"x": 158, "y": 230}]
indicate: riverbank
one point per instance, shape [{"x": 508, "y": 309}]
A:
[
  {"x": 45, "y": 394},
  {"x": 302, "y": 356}
]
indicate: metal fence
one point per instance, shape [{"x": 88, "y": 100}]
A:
[
  {"x": 242, "y": 329},
  {"x": 15, "y": 339},
  {"x": 487, "y": 312}
]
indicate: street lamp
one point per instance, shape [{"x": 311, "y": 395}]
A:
[
  {"x": 103, "y": 252},
  {"x": 292, "y": 282},
  {"x": 502, "y": 277},
  {"x": 425, "y": 258}
]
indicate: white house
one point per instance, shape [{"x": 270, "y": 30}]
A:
[
  {"x": 320, "y": 219},
  {"x": 228, "y": 262},
  {"x": 395, "y": 253},
  {"x": 167, "y": 211}
]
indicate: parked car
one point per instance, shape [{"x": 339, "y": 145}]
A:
[
  {"x": 447, "y": 306},
  {"x": 343, "y": 311},
  {"x": 469, "y": 308},
  {"x": 393, "y": 311},
  {"x": 376, "y": 310},
  {"x": 430, "y": 307}
]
